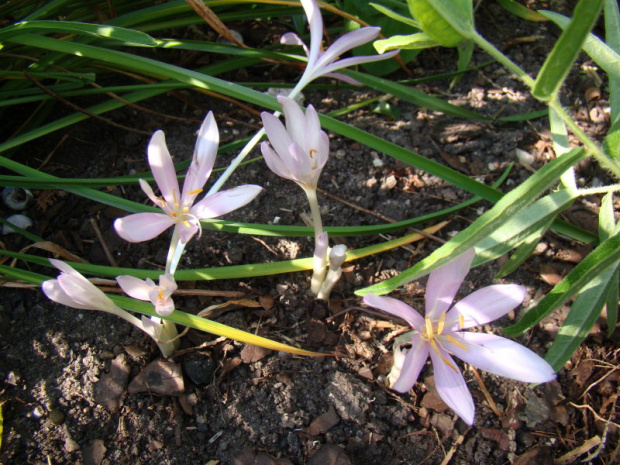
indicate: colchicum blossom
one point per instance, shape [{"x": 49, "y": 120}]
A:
[
  {"x": 73, "y": 290},
  {"x": 178, "y": 206},
  {"x": 440, "y": 334},
  {"x": 325, "y": 62},
  {"x": 158, "y": 295},
  {"x": 299, "y": 150}
]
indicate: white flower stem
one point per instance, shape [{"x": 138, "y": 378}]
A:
[{"x": 315, "y": 210}]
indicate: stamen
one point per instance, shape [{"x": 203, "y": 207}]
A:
[
  {"x": 429, "y": 329},
  {"x": 195, "y": 192},
  {"x": 160, "y": 294},
  {"x": 461, "y": 321},
  {"x": 447, "y": 362},
  {"x": 162, "y": 201},
  {"x": 310, "y": 154},
  {"x": 176, "y": 200},
  {"x": 454, "y": 341},
  {"x": 442, "y": 322}
]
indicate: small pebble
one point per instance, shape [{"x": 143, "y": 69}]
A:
[{"x": 57, "y": 417}]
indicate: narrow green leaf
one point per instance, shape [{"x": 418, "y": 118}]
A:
[
  {"x": 522, "y": 225},
  {"x": 604, "y": 56},
  {"x": 121, "y": 34},
  {"x": 604, "y": 256},
  {"x": 227, "y": 272},
  {"x": 417, "y": 41},
  {"x": 443, "y": 20},
  {"x": 583, "y": 314},
  {"x": 525, "y": 249},
  {"x": 511, "y": 204},
  {"x": 561, "y": 145},
  {"x": 522, "y": 12},
  {"x": 396, "y": 16},
  {"x": 565, "y": 51},
  {"x": 606, "y": 217},
  {"x": 612, "y": 303}
]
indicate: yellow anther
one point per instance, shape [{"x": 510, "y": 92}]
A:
[
  {"x": 160, "y": 294},
  {"x": 442, "y": 322},
  {"x": 176, "y": 200},
  {"x": 187, "y": 224},
  {"x": 195, "y": 192},
  {"x": 453, "y": 340},
  {"x": 174, "y": 214},
  {"x": 429, "y": 329},
  {"x": 461, "y": 321}
]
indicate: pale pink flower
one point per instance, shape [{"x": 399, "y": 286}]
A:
[
  {"x": 325, "y": 62},
  {"x": 439, "y": 335},
  {"x": 159, "y": 295},
  {"x": 73, "y": 290},
  {"x": 178, "y": 206},
  {"x": 299, "y": 150}
]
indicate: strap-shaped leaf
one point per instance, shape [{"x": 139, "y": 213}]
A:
[
  {"x": 105, "y": 31},
  {"x": 518, "y": 228},
  {"x": 508, "y": 206},
  {"x": 565, "y": 51},
  {"x": 604, "y": 256},
  {"x": 583, "y": 314}
]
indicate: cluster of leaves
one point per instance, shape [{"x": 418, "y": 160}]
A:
[{"x": 50, "y": 62}]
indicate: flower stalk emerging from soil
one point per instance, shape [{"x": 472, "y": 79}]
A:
[
  {"x": 298, "y": 151},
  {"x": 439, "y": 335},
  {"x": 179, "y": 209},
  {"x": 73, "y": 290}
]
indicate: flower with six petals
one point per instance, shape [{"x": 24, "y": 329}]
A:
[
  {"x": 439, "y": 334},
  {"x": 299, "y": 149},
  {"x": 325, "y": 62},
  {"x": 178, "y": 206},
  {"x": 159, "y": 295}
]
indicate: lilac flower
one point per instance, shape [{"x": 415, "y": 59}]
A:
[
  {"x": 73, "y": 290},
  {"x": 158, "y": 295},
  {"x": 439, "y": 334},
  {"x": 299, "y": 150},
  {"x": 179, "y": 208},
  {"x": 324, "y": 63}
]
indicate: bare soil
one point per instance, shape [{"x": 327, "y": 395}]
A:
[{"x": 75, "y": 384}]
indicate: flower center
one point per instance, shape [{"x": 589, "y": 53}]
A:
[{"x": 433, "y": 334}]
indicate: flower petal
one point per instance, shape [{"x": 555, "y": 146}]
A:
[
  {"x": 444, "y": 283},
  {"x": 353, "y": 61},
  {"x": 274, "y": 162},
  {"x": 141, "y": 227},
  {"x": 315, "y": 20},
  {"x": 55, "y": 292},
  {"x": 226, "y": 201},
  {"x": 345, "y": 43},
  {"x": 163, "y": 168},
  {"x": 501, "y": 356},
  {"x": 134, "y": 287},
  {"x": 296, "y": 120},
  {"x": 276, "y": 132},
  {"x": 452, "y": 387},
  {"x": 203, "y": 159},
  {"x": 85, "y": 294},
  {"x": 484, "y": 305},
  {"x": 397, "y": 308},
  {"x": 412, "y": 366}
]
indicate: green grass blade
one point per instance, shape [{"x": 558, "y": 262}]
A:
[
  {"x": 521, "y": 11},
  {"x": 604, "y": 256},
  {"x": 522, "y": 226},
  {"x": 565, "y": 51},
  {"x": 127, "y": 36},
  {"x": 511, "y": 204},
  {"x": 583, "y": 314}
]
